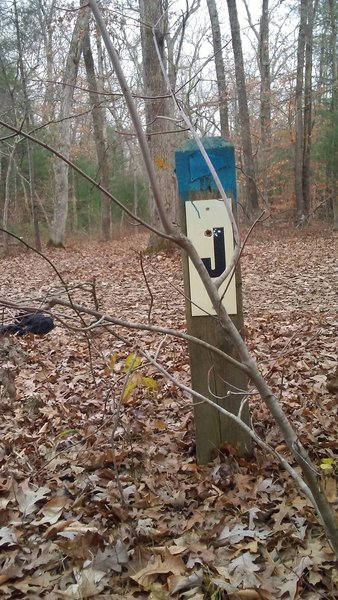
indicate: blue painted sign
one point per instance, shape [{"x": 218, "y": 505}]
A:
[
  {"x": 193, "y": 173},
  {"x": 207, "y": 222}
]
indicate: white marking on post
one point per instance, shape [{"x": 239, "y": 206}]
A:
[{"x": 205, "y": 221}]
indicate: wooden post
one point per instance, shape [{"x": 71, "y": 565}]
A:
[{"x": 205, "y": 220}]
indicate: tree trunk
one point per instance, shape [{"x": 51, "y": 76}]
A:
[
  {"x": 244, "y": 120},
  {"x": 46, "y": 15},
  {"x": 265, "y": 100},
  {"x": 62, "y": 143},
  {"x": 308, "y": 108},
  {"x": 99, "y": 130},
  {"x": 220, "y": 70},
  {"x": 333, "y": 111},
  {"x": 73, "y": 203},
  {"x": 29, "y": 121},
  {"x": 157, "y": 112},
  {"x": 4, "y": 164},
  {"x": 299, "y": 125},
  {"x": 6, "y": 237}
]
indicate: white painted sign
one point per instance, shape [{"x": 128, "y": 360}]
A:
[{"x": 209, "y": 228}]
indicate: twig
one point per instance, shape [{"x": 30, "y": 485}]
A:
[
  {"x": 148, "y": 327},
  {"x": 258, "y": 220},
  {"x": 300, "y": 482},
  {"x": 148, "y": 286},
  {"x": 116, "y": 422}
]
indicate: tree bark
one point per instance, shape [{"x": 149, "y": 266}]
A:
[
  {"x": 99, "y": 135},
  {"x": 29, "y": 121},
  {"x": 299, "y": 124},
  {"x": 62, "y": 143},
  {"x": 265, "y": 99},
  {"x": 220, "y": 70},
  {"x": 161, "y": 142},
  {"x": 312, "y": 9},
  {"x": 46, "y": 15},
  {"x": 7, "y": 197},
  {"x": 333, "y": 111},
  {"x": 244, "y": 120}
]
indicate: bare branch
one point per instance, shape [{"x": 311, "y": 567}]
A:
[
  {"x": 109, "y": 320},
  {"x": 299, "y": 480},
  {"x": 168, "y": 227},
  {"x": 217, "y": 280},
  {"x": 83, "y": 174}
]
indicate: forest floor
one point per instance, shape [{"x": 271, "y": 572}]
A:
[{"x": 95, "y": 506}]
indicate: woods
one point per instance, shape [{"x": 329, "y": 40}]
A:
[
  {"x": 272, "y": 74},
  {"x": 101, "y": 163}
]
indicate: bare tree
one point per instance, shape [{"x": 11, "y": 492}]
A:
[
  {"x": 175, "y": 36},
  {"x": 265, "y": 97},
  {"x": 46, "y": 14},
  {"x": 334, "y": 105},
  {"x": 244, "y": 119},
  {"x": 299, "y": 124},
  {"x": 158, "y": 112},
  {"x": 7, "y": 195},
  {"x": 99, "y": 135},
  {"x": 308, "y": 124},
  {"x": 263, "y": 59},
  {"x": 63, "y": 138},
  {"x": 220, "y": 70},
  {"x": 29, "y": 120}
]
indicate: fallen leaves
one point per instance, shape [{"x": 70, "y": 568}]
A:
[{"x": 100, "y": 495}]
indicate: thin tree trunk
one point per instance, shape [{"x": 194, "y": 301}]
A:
[
  {"x": 333, "y": 111},
  {"x": 100, "y": 141},
  {"x": 265, "y": 99},
  {"x": 299, "y": 124},
  {"x": 220, "y": 70},
  {"x": 244, "y": 120},
  {"x": 73, "y": 202},
  {"x": 46, "y": 16},
  {"x": 3, "y": 171},
  {"x": 62, "y": 144},
  {"x": 7, "y": 200},
  {"x": 135, "y": 191},
  {"x": 29, "y": 120},
  {"x": 101, "y": 71},
  {"x": 308, "y": 108}
]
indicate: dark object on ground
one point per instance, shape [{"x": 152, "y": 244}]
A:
[{"x": 37, "y": 323}]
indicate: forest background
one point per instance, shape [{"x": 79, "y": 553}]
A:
[{"x": 264, "y": 77}]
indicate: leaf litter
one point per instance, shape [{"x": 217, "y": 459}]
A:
[{"x": 100, "y": 494}]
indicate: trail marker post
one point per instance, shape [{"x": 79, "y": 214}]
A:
[{"x": 207, "y": 224}]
